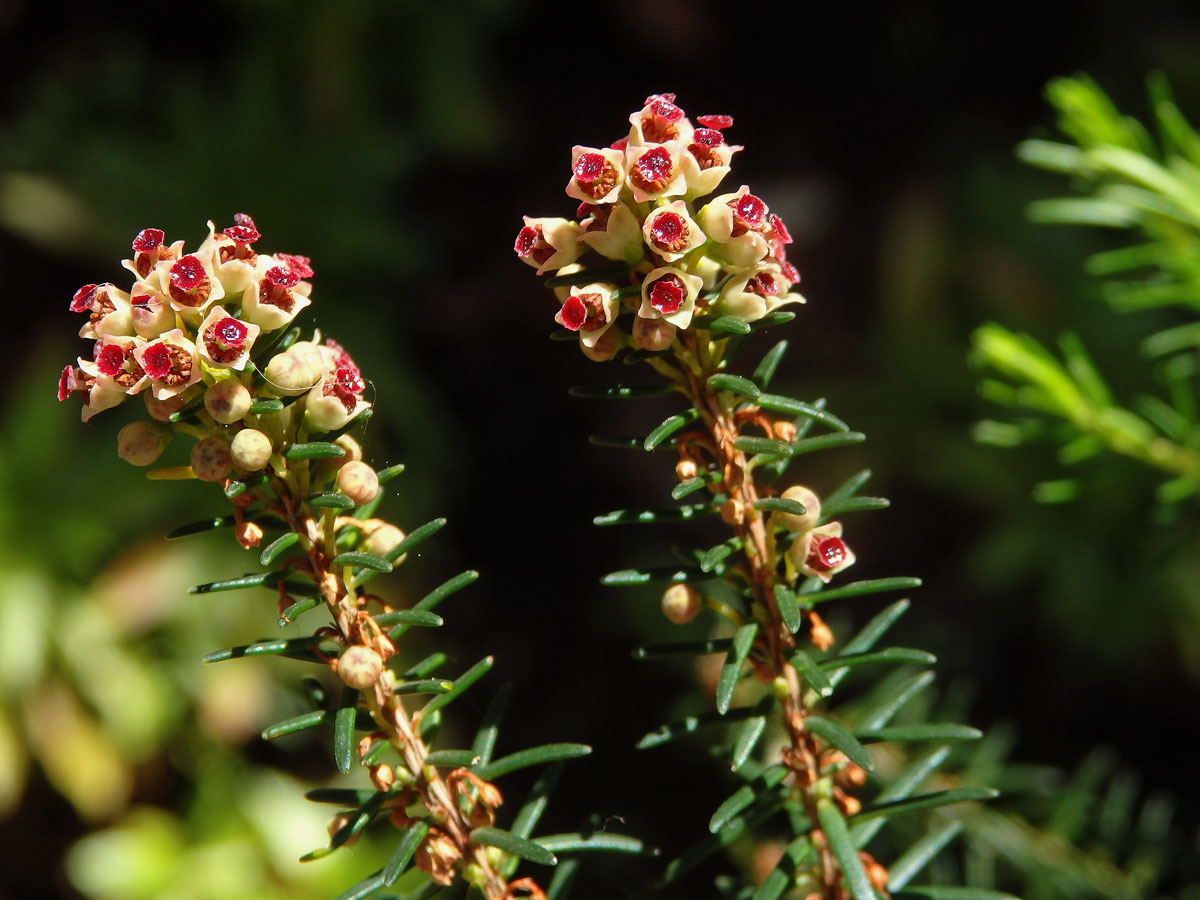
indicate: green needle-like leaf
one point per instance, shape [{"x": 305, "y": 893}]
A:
[
  {"x": 235, "y": 489},
  {"x": 364, "y": 888},
  {"x": 632, "y": 577},
  {"x": 424, "y": 686},
  {"x": 350, "y": 798},
  {"x": 421, "y": 617},
  {"x": 860, "y": 588},
  {"x": 779, "y": 317},
  {"x": 776, "y": 403},
  {"x": 535, "y": 804},
  {"x": 650, "y": 516},
  {"x": 265, "y": 407},
  {"x": 426, "y": 667},
  {"x": 739, "y": 800},
  {"x": 752, "y": 444},
  {"x": 770, "y": 362},
  {"x": 489, "y": 727},
  {"x": 362, "y": 561},
  {"x": 621, "y": 442},
  {"x": 780, "y": 878},
  {"x": 290, "y": 614},
  {"x": 386, "y": 475},
  {"x": 727, "y": 324},
  {"x": 669, "y": 427},
  {"x": 712, "y": 645},
  {"x": 606, "y": 841},
  {"x": 714, "y": 556},
  {"x": 852, "y": 504},
  {"x": 743, "y": 640},
  {"x": 514, "y": 844},
  {"x": 315, "y": 450},
  {"x": 736, "y": 383},
  {"x": 929, "y": 731},
  {"x": 811, "y": 673},
  {"x": 330, "y": 500},
  {"x": 618, "y": 391},
  {"x": 297, "y": 723},
  {"x": 534, "y": 756},
  {"x": 917, "y": 856},
  {"x": 302, "y": 646},
  {"x": 840, "y": 738},
  {"x": 947, "y": 892},
  {"x": 844, "y": 851},
  {"x": 461, "y": 684},
  {"x": 880, "y": 714},
  {"x": 901, "y": 786},
  {"x": 925, "y": 801},
  {"x": 415, "y": 538},
  {"x": 200, "y": 527},
  {"x": 890, "y": 655},
  {"x": 454, "y": 758},
  {"x": 827, "y": 441},
  {"x": 762, "y": 809},
  {"x": 404, "y": 851},
  {"x": 789, "y": 609},
  {"x": 691, "y": 485},
  {"x": 343, "y": 730},
  {"x": 795, "y": 507},
  {"x": 748, "y": 734},
  {"x": 690, "y": 724},
  {"x": 275, "y": 549}
]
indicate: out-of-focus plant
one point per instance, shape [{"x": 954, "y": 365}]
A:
[
  {"x": 1151, "y": 191},
  {"x": 681, "y": 285},
  {"x": 206, "y": 340}
]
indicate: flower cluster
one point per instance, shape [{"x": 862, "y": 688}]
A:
[
  {"x": 189, "y": 335},
  {"x": 675, "y": 256}
]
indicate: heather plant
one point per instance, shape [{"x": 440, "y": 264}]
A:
[
  {"x": 682, "y": 279},
  {"x": 205, "y": 339}
]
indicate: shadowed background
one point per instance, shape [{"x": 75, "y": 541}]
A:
[{"x": 398, "y": 145}]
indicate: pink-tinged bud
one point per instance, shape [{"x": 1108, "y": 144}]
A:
[
  {"x": 359, "y": 667},
  {"x": 589, "y": 310},
  {"x": 680, "y": 603},
  {"x": 338, "y": 398},
  {"x": 250, "y": 450},
  {"x": 821, "y": 552},
  {"x": 606, "y": 346},
  {"x": 328, "y": 411},
  {"x": 170, "y": 363},
  {"x": 162, "y": 409},
  {"x": 655, "y": 171},
  {"x": 151, "y": 312},
  {"x": 613, "y": 232},
  {"x": 685, "y": 469},
  {"x": 359, "y": 482},
  {"x": 141, "y": 443},
  {"x": 793, "y": 521},
  {"x": 670, "y": 232},
  {"x": 228, "y": 401},
  {"x": 548, "y": 243},
  {"x": 653, "y": 334},
  {"x": 353, "y": 450},
  {"x": 225, "y": 342},
  {"x": 211, "y": 460},
  {"x": 597, "y": 175},
  {"x": 290, "y": 374},
  {"x": 670, "y": 293},
  {"x": 382, "y": 538}
]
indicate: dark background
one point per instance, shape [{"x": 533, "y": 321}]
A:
[{"x": 398, "y": 144}]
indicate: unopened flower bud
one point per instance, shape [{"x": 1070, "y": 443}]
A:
[
  {"x": 351, "y": 446},
  {"x": 227, "y": 401},
  {"x": 383, "y": 539},
  {"x": 250, "y": 450},
  {"x": 605, "y": 348},
  {"x": 359, "y": 482},
  {"x": 792, "y": 521},
  {"x": 141, "y": 443},
  {"x": 162, "y": 409},
  {"x": 211, "y": 460},
  {"x": 290, "y": 374},
  {"x": 680, "y": 603},
  {"x": 686, "y": 468},
  {"x": 653, "y": 334},
  {"x": 359, "y": 667}
]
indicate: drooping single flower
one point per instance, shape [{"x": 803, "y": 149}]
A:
[
  {"x": 589, "y": 310},
  {"x": 821, "y": 552}
]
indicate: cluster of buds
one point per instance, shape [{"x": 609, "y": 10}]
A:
[
  {"x": 675, "y": 256},
  {"x": 188, "y": 337}
]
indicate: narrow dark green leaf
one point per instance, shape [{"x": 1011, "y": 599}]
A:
[
  {"x": 847, "y": 488},
  {"x": 669, "y": 427},
  {"x": 426, "y": 666},
  {"x": 770, "y": 362},
  {"x": 877, "y": 627},
  {"x": 265, "y": 407},
  {"x": 563, "y": 882},
  {"x": 852, "y": 504},
  {"x": 928, "y": 731},
  {"x": 827, "y": 441},
  {"x": 415, "y": 538},
  {"x": 446, "y": 588},
  {"x": 675, "y": 730},
  {"x": 880, "y": 714},
  {"x": 840, "y": 738},
  {"x": 404, "y": 851},
  {"x": 329, "y": 500},
  {"x": 587, "y": 276},
  {"x": 860, "y": 588},
  {"x": 630, "y": 577},
  {"x": 514, "y": 844},
  {"x": 315, "y": 450},
  {"x": 844, "y": 851},
  {"x": 420, "y": 617},
  {"x": 777, "y": 403},
  {"x": 727, "y": 324},
  {"x": 290, "y": 614},
  {"x": 751, "y": 444},
  {"x": 349, "y": 798},
  {"x": 759, "y": 786},
  {"x": 771, "y": 504},
  {"x": 743, "y": 640},
  {"x": 200, "y": 527},
  {"x": 294, "y": 724},
  {"x": 235, "y": 489},
  {"x": 789, "y": 609},
  {"x": 374, "y": 756},
  {"x": 762, "y": 809},
  {"x": 362, "y": 561},
  {"x": 691, "y": 485},
  {"x": 430, "y": 724},
  {"x": 621, "y": 442},
  {"x": 890, "y": 655},
  {"x": 364, "y": 888},
  {"x": 461, "y": 684},
  {"x": 783, "y": 875},
  {"x": 386, "y": 475},
  {"x": 649, "y": 516},
  {"x": 736, "y": 383},
  {"x": 343, "y": 729},
  {"x": 947, "y": 892},
  {"x": 618, "y": 391},
  {"x": 424, "y": 686},
  {"x": 925, "y": 801},
  {"x": 713, "y": 645},
  {"x": 262, "y": 648},
  {"x": 534, "y": 806},
  {"x": 714, "y": 556},
  {"x": 533, "y": 756},
  {"x": 747, "y": 737},
  {"x": 489, "y": 727},
  {"x": 779, "y": 317},
  {"x": 917, "y": 856},
  {"x": 275, "y": 549},
  {"x": 911, "y": 778},
  {"x": 603, "y": 840},
  {"x": 811, "y": 673},
  {"x": 188, "y": 412},
  {"x": 281, "y": 341},
  {"x": 454, "y": 758}
]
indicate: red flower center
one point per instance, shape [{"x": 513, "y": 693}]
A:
[
  {"x": 66, "y": 383},
  {"x": 655, "y": 164},
  {"x": 230, "y": 333},
  {"x": 706, "y": 137},
  {"x": 156, "y": 360},
  {"x": 589, "y": 168},
  {"x": 667, "y": 294},
  {"x": 110, "y": 360},
  {"x": 716, "y": 122},
  {"x": 301, "y": 265},
  {"x": 827, "y": 553},
  {"x": 666, "y": 110},
  {"x": 669, "y": 231},
  {"x": 574, "y": 313},
  {"x": 147, "y": 239},
  {"x": 82, "y": 301},
  {"x": 781, "y": 232},
  {"x": 283, "y": 276},
  {"x": 243, "y": 234},
  {"x": 749, "y": 210},
  {"x": 188, "y": 274},
  {"x": 243, "y": 219}
]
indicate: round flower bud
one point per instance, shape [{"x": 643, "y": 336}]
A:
[
  {"x": 227, "y": 401},
  {"x": 327, "y": 412},
  {"x": 141, "y": 443},
  {"x": 290, "y": 374},
  {"x": 351, "y": 446},
  {"x": 605, "y": 348},
  {"x": 359, "y": 667},
  {"x": 793, "y": 522},
  {"x": 680, "y": 603},
  {"x": 358, "y": 481},
  {"x": 686, "y": 468},
  {"x": 162, "y": 409},
  {"x": 250, "y": 450},
  {"x": 653, "y": 334},
  {"x": 382, "y": 539},
  {"x": 211, "y": 460}
]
